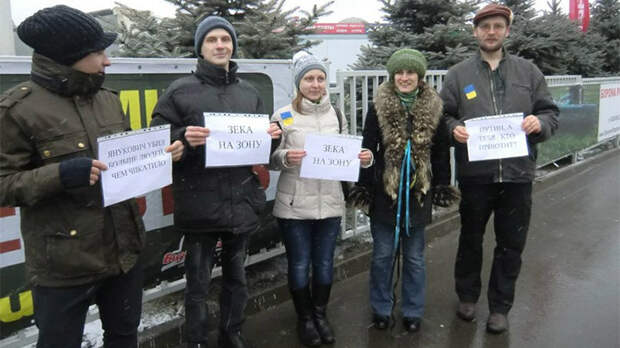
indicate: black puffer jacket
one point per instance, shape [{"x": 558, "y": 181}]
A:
[{"x": 226, "y": 199}]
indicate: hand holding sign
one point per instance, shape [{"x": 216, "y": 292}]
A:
[
  {"x": 365, "y": 157},
  {"x": 531, "y": 124},
  {"x": 294, "y": 157},
  {"x": 176, "y": 150},
  {"x": 196, "y": 135},
  {"x": 274, "y": 130},
  {"x": 460, "y": 134},
  {"x": 95, "y": 171}
]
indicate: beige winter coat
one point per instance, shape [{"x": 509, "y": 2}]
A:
[{"x": 302, "y": 198}]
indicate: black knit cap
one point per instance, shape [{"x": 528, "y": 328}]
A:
[
  {"x": 208, "y": 24},
  {"x": 64, "y": 34}
]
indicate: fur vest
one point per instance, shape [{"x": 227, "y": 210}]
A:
[
  {"x": 392, "y": 119},
  {"x": 386, "y": 134}
]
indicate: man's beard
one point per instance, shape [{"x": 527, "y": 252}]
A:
[{"x": 493, "y": 48}]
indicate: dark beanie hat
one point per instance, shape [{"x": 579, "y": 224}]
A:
[
  {"x": 64, "y": 34},
  {"x": 208, "y": 24},
  {"x": 491, "y": 10},
  {"x": 407, "y": 59}
]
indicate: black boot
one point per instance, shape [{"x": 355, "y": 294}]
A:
[
  {"x": 305, "y": 325},
  {"x": 231, "y": 340},
  {"x": 320, "y": 298}
]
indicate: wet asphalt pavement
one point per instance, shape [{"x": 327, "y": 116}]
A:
[{"x": 568, "y": 293}]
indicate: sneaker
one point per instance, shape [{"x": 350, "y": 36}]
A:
[
  {"x": 466, "y": 311},
  {"x": 497, "y": 323}
]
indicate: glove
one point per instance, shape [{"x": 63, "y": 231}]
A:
[
  {"x": 75, "y": 172},
  {"x": 445, "y": 195}
]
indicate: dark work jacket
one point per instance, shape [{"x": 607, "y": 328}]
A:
[
  {"x": 223, "y": 199},
  {"x": 525, "y": 91},
  {"x": 69, "y": 237}
]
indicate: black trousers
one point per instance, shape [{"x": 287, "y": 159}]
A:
[
  {"x": 60, "y": 312},
  {"x": 234, "y": 296},
  {"x": 512, "y": 204}
]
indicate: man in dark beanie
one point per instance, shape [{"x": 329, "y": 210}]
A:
[
  {"x": 77, "y": 251},
  {"x": 212, "y": 204},
  {"x": 494, "y": 82}
]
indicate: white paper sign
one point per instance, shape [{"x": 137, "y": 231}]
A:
[
  {"x": 609, "y": 111},
  {"x": 136, "y": 162},
  {"x": 331, "y": 157},
  {"x": 237, "y": 139},
  {"x": 495, "y": 137}
]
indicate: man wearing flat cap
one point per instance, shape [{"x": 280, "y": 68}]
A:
[
  {"x": 212, "y": 204},
  {"x": 77, "y": 251},
  {"x": 494, "y": 82}
]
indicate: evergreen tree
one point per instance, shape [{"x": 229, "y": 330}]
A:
[
  {"x": 555, "y": 8},
  {"x": 442, "y": 31},
  {"x": 190, "y": 13},
  {"x": 143, "y": 35},
  {"x": 522, "y": 10},
  {"x": 447, "y": 44},
  {"x": 605, "y": 21},
  {"x": 264, "y": 30},
  {"x": 554, "y": 43},
  {"x": 557, "y": 46},
  {"x": 438, "y": 28},
  {"x": 271, "y": 32},
  {"x": 416, "y": 16}
]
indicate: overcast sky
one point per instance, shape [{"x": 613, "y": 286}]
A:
[{"x": 370, "y": 10}]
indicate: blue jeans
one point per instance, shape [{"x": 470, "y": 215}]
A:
[
  {"x": 413, "y": 270},
  {"x": 309, "y": 241}
]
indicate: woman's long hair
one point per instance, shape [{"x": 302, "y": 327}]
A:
[{"x": 296, "y": 103}]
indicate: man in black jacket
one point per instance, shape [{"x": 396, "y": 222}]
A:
[
  {"x": 212, "y": 203},
  {"x": 492, "y": 83}
]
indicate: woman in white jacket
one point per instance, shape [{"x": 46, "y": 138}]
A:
[{"x": 308, "y": 210}]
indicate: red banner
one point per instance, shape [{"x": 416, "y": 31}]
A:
[
  {"x": 579, "y": 11},
  {"x": 340, "y": 28}
]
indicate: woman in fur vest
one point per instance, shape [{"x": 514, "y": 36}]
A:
[
  {"x": 410, "y": 147},
  {"x": 308, "y": 211}
]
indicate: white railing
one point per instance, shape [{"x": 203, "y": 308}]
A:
[
  {"x": 601, "y": 80},
  {"x": 563, "y": 80}
]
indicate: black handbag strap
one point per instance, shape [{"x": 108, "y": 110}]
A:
[
  {"x": 345, "y": 185},
  {"x": 339, "y": 115}
]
